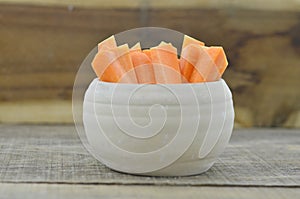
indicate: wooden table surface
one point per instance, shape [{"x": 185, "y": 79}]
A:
[{"x": 48, "y": 161}]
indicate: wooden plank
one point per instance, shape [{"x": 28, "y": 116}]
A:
[
  {"x": 40, "y": 112},
  {"x": 37, "y": 112},
  {"x": 42, "y": 50},
  {"x": 254, "y": 4},
  {"x": 54, "y": 154},
  {"x": 47, "y": 191}
]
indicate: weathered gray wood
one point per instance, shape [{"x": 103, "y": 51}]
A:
[
  {"x": 54, "y": 154},
  {"x": 49, "y": 191}
]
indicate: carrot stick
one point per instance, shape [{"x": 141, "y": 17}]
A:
[
  {"x": 218, "y": 55},
  {"x": 102, "y": 65},
  {"x": 147, "y": 52},
  {"x": 143, "y": 67},
  {"x": 114, "y": 65},
  {"x": 108, "y": 43},
  {"x": 187, "y": 40},
  {"x": 188, "y": 57},
  {"x": 165, "y": 64},
  {"x": 136, "y": 47},
  {"x": 124, "y": 59},
  {"x": 205, "y": 67}
]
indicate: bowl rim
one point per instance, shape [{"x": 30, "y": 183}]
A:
[
  {"x": 177, "y": 84},
  {"x": 107, "y": 90}
]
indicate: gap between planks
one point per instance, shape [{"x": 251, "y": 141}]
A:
[
  {"x": 69, "y": 191},
  {"x": 149, "y": 184}
]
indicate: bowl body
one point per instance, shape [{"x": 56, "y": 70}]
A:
[{"x": 158, "y": 129}]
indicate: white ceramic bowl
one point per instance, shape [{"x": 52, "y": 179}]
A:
[{"x": 158, "y": 129}]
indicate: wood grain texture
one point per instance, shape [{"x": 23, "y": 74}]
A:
[
  {"x": 54, "y": 191},
  {"x": 245, "y": 4},
  {"x": 37, "y": 112},
  {"x": 54, "y": 154},
  {"x": 42, "y": 50}
]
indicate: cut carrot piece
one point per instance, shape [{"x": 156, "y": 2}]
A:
[
  {"x": 107, "y": 44},
  {"x": 143, "y": 68},
  {"x": 205, "y": 68},
  {"x": 114, "y": 65},
  {"x": 188, "y": 57},
  {"x": 188, "y": 60},
  {"x": 125, "y": 61},
  {"x": 165, "y": 64},
  {"x": 196, "y": 77},
  {"x": 218, "y": 55},
  {"x": 187, "y": 40},
  {"x": 102, "y": 65},
  {"x": 136, "y": 47},
  {"x": 147, "y": 52}
]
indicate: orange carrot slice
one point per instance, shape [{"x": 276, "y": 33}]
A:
[
  {"x": 136, "y": 47},
  {"x": 147, "y": 52},
  {"x": 205, "y": 68},
  {"x": 143, "y": 67},
  {"x": 114, "y": 65},
  {"x": 108, "y": 43},
  {"x": 125, "y": 61},
  {"x": 188, "y": 57},
  {"x": 218, "y": 55},
  {"x": 187, "y": 40},
  {"x": 165, "y": 64},
  {"x": 102, "y": 65}
]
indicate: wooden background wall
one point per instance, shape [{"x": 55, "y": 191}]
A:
[{"x": 42, "y": 44}]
